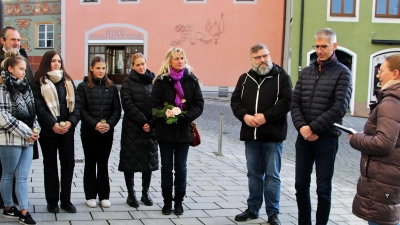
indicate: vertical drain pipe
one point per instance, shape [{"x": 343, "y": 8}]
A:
[{"x": 301, "y": 37}]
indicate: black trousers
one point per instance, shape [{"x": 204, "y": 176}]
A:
[
  {"x": 97, "y": 148},
  {"x": 66, "y": 154}
]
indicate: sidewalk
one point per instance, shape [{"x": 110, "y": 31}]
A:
[{"x": 217, "y": 189}]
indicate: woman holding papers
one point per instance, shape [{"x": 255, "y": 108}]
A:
[{"x": 378, "y": 190}]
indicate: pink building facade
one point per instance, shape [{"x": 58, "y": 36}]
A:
[{"x": 215, "y": 34}]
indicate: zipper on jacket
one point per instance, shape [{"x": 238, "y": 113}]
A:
[
  {"x": 256, "y": 105},
  {"x": 312, "y": 97},
  {"x": 101, "y": 102},
  {"x": 366, "y": 166}
]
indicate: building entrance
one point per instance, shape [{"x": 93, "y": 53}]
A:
[{"x": 118, "y": 59}]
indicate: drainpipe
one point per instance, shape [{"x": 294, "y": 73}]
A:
[
  {"x": 301, "y": 36},
  {"x": 1, "y": 15}
]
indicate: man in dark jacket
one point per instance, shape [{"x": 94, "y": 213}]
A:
[
  {"x": 320, "y": 99},
  {"x": 261, "y": 101},
  {"x": 11, "y": 40}
]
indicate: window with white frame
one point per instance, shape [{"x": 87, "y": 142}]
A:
[
  {"x": 343, "y": 8},
  {"x": 45, "y": 36},
  {"x": 194, "y": 1},
  {"x": 387, "y": 8},
  {"x": 244, "y": 1},
  {"x": 129, "y": 1}
]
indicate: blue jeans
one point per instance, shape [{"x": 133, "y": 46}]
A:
[
  {"x": 16, "y": 161},
  {"x": 173, "y": 157},
  {"x": 323, "y": 153},
  {"x": 263, "y": 168},
  {"x": 373, "y": 223}
]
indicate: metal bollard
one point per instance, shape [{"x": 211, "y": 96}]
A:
[{"x": 221, "y": 122}]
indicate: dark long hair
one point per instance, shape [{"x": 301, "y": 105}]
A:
[
  {"x": 95, "y": 60},
  {"x": 45, "y": 66}
]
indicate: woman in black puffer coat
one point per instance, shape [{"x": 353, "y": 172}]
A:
[
  {"x": 177, "y": 86},
  {"x": 139, "y": 152},
  {"x": 100, "y": 112}
]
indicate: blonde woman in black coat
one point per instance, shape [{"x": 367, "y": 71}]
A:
[
  {"x": 177, "y": 86},
  {"x": 139, "y": 152},
  {"x": 100, "y": 113}
]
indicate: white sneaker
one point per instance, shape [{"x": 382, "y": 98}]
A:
[
  {"x": 91, "y": 203},
  {"x": 105, "y": 203}
]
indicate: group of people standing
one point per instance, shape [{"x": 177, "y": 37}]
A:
[
  {"x": 261, "y": 100},
  {"x": 46, "y": 107}
]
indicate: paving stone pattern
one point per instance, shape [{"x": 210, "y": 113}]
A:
[{"x": 217, "y": 185}]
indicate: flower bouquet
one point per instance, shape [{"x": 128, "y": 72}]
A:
[{"x": 169, "y": 112}]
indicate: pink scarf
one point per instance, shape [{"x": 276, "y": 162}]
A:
[{"x": 176, "y": 77}]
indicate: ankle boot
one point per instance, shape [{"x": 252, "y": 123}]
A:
[
  {"x": 146, "y": 179},
  {"x": 131, "y": 200},
  {"x": 167, "y": 195},
  {"x": 178, "y": 199}
]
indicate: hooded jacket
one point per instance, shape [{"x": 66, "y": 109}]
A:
[
  {"x": 271, "y": 95},
  {"x": 378, "y": 188},
  {"x": 139, "y": 152}
]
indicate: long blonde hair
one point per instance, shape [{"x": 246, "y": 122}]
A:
[{"x": 171, "y": 53}]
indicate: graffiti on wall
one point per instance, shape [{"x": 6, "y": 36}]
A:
[
  {"x": 210, "y": 34},
  {"x": 32, "y": 9}
]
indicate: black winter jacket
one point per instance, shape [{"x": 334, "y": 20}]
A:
[
  {"x": 163, "y": 91},
  {"x": 321, "y": 98},
  {"x": 46, "y": 119},
  {"x": 271, "y": 96},
  {"x": 139, "y": 149},
  {"x": 98, "y": 103}
]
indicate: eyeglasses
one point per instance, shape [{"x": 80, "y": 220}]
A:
[
  {"x": 322, "y": 47},
  {"x": 260, "y": 56}
]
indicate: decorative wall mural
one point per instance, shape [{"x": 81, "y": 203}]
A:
[
  {"x": 34, "y": 8},
  {"x": 213, "y": 30},
  {"x": 59, "y": 20},
  {"x": 23, "y": 23},
  {"x": 25, "y": 40},
  {"x": 26, "y": 46},
  {"x": 59, "y": 48}
]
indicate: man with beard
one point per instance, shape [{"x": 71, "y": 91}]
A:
[
  {"x": 320, "y": 99},
  {"x": 11, "y": 40},
  {"x": 261, "y": 101}
]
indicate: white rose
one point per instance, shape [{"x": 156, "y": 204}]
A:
[{"x": 176, "y": 111}]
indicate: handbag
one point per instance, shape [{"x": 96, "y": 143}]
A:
[{"x": 196, "y": 135}]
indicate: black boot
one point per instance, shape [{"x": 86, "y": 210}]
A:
[
  {"x": 167, "y": 195},
  {"x": 131, "y": 200},
  {"x": 146, "y": 179},
  {"x": 178, "y": 199}
]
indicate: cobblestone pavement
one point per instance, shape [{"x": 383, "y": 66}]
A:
[{"x": 217, "y": 185}]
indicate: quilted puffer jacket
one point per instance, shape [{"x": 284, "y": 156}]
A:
[
  {"x": 378, "y": 188},
  {"x": 139, "y": 150},
  {"x": 321, "y": 99}
]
